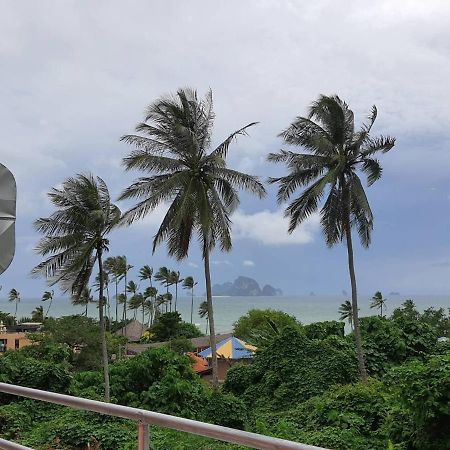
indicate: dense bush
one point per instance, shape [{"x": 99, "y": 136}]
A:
[
  {"x": 293, "y": 368},
  {"x": 18, "y": 368},
  {"x": 420, "y": 391},
  {"x": 260, "y": 324},
  {"x": 170, "y": 326}
]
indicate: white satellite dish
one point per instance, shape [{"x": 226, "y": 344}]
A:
[{"x": 8, "y": 194}]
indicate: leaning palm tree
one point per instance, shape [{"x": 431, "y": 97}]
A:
[
  {"x": 38, "y": 314},
  {"x": 84, "y": 299},
  {"x": 14, "y": 296},
  {"x": 176, "y": 280},
  {"x": 346, "y": 312},
  {"x": 48, "y": 295},
  {"x": 146, "y": 273},
  {"x": 75, "y": 239},
  {"x": 378, "y": 302},
  {"x": 203, "y": 311},
  {"x": 335, "y": 152},
  {"x": 124, "y": 268},
  {"x": 164, "y": 276},
  {"x": 189, "y": 283},
  {"x": 136, "y": 301},
  {"x": 174, "y": 147}
]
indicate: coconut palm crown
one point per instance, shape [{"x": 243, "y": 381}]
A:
[
  {"x": 190, "y": 176},
  {"x": 75, "y": 239},
  {"x": 329, "y": 170}
]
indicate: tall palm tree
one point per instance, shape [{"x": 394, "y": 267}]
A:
[
  {"x": 203, "y": 311},
  {"x": 335, "y": 152},
  {"x": 136, "y": 301},
  {"x": 124, "y": 268},
  {"x": 84, "y": 299},
  {"x": 176, "y": 280},
  {"x": 113, "y": 267},
  {"x": 150, "y": 294},
  {"x": 75, "y": 239},
  {"x": 146, "y": 273},
  {"x": 48, "y": 295},
  {"x": 14, "y": 296},
  {"x": 346, "y": 312},
  {"x": 164, "y": 276},
  {"x": 378, "y": 302},
  {"x": 189, "y": 283},
  {"x": 174, "y": 147}
]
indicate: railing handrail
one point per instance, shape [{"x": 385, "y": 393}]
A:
[{"x": 164, "y": 420}]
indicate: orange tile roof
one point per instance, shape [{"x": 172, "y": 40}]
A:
[{"x": 199, "y": 364}]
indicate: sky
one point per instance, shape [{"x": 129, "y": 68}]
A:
[{"x": 77, "y": 75}]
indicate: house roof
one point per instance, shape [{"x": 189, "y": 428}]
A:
[
  {"x": 200, "y": 342},
  {"x": 199, "y": 364},
  {"x": 231, "y": 348},
  {"x": 133, "y": 331}
]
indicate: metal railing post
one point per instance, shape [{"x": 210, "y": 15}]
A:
[{"x": 143, "y": 436}]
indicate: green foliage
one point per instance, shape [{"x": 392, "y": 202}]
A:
[
  {"x": 321, "y": 330},
  {"x": 6, "y": 318},
  {"x": 224, "y": 409},
  {"x": 18, "y": 368},
  {"x": 293, "y": 368},
  {"x": 170, "y": 326},
  {"x": 158, "y": 379},
  {"x": 258, "y": 324},
  {"x": 180, "y": 345},
  {"x": 422, "y": 393}
]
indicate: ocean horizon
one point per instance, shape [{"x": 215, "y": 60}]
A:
[{"x": 306, "y": 308}]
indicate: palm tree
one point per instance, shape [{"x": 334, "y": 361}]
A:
[
  {"x": 124, "y": 268},
  {"x": 48, "y": 295},
  {"x": 146, "y": 273},
  {"x": 378, "y": 302},
  {"x": 174, "y": 147},
  {"x": 164, "y": 276},
  {"x": 189, "y": 283},
  {"x": 136, "y": 302},
  {"x": 335, "y": 154},
  {"x": 75, "y": 239},
  {"x": 14, "y": 296},
  {"x": 150, "y": 297},
  {"x": 84, "y": 299},
  {"x": 113, "y": 267},
  {"x": 38, "y": 314},
  {"x": 346, "y": 312},
  {"x": 203, "y": 311},
  {"x": 175, "y": 279}
]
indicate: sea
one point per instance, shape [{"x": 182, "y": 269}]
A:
[{"x": 307, "y": 309}]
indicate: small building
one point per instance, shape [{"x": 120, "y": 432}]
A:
[
  {"x": 133, "y": 331},
  {"x": 14, "y": 337},
  {"x": 230, "y": 351}
]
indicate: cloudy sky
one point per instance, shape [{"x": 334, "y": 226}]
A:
[{"x": 76, "y": 75}]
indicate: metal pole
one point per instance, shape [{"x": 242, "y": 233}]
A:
[{"x": 143, "y": 436}]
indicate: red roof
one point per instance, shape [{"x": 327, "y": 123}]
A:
[{"x": 199, "y": 364}]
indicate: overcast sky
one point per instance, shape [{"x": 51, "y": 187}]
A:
[{"x": 76, "y": 75}]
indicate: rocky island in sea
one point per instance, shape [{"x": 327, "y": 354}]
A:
[{"x": 244, "y": 287}]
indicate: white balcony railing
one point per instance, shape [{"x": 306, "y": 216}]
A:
[{"x": 145, "y": 418}]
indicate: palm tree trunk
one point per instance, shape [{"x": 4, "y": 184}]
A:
[
  {"x": 48, "y": 309},
  {"x": 212, "y": 331},
  {"x": 15, "y": 312},
  {"x": 117, "y": 303},
  {"x": 102, "y": 326},
  {"x": 356, "y": 328},
  {"x": 176, "y": 295},
  {"x": 192, "y": 302},
  {"x": 125, "y": 293}
]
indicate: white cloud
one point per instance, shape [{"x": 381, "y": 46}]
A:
[
  {"x": 271, "y": 228},
  {"x": 221, "y": 262},
  {"x": 191, "y": 264},
  {"x": 248, "y": 263}
]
